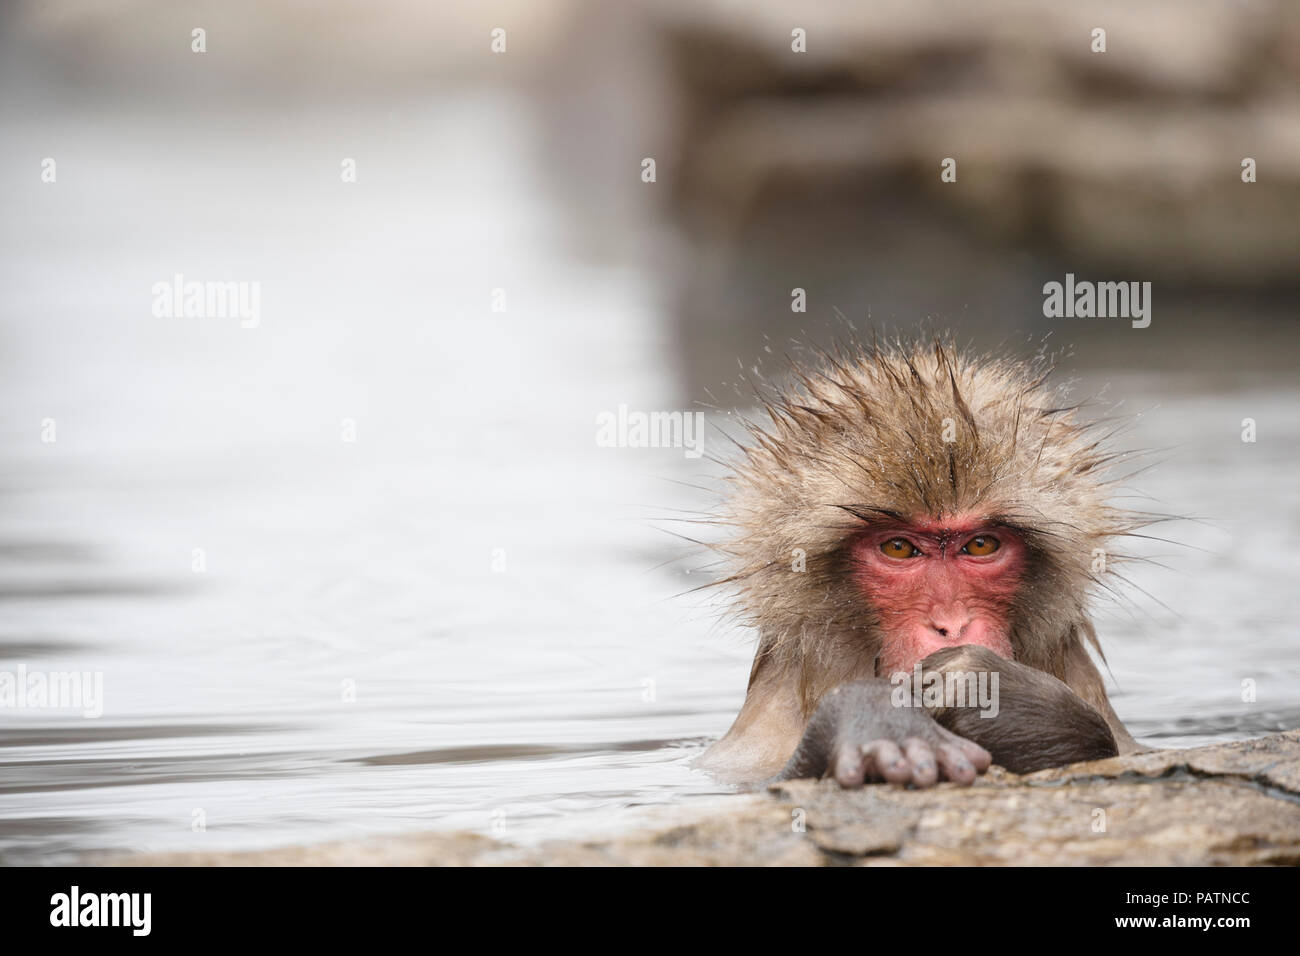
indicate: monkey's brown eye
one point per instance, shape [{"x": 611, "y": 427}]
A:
[
  {"x": 982, "y": 545},
  {"x": 899, "y": 548}
]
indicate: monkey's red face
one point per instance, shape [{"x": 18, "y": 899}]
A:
[{"x": 936, "y": 584}]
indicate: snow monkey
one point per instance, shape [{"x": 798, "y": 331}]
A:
[{"x": 915, "y": 533}]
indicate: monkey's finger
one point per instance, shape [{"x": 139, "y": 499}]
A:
[
  {"x": 973, "y": 752},
  {"x": 925, "y": 773},
  {"x": 848, "y": 765},
  {"x": 956, "y": 767},
  {"x": 888, "y": 761}
]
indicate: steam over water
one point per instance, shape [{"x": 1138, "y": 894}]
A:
[{"x": 464, "y": 617}]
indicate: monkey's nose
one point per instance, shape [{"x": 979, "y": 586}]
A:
[{"x": 951, "y": 629}]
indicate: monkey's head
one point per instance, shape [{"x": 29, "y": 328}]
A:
[{"x": 905, "y": 499}]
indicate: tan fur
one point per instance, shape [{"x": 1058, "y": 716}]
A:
[{"x": 860, "y": 439}]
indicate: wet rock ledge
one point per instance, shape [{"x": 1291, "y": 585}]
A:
[{"x": 1228, "y": 804}]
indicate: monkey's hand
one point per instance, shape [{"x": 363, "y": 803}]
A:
[
  {"x": 857, "y": 734},
  {"x": 1038, "y": 722}
]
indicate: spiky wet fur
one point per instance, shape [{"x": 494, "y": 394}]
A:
[{"x": 859, "y": 440}]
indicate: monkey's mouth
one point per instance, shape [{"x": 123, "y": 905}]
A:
[{"x": 902, "y": 654}]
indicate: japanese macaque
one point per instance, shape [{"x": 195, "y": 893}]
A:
[{"x": 911, "y": 523}]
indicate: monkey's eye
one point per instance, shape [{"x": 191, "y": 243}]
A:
[
  {"x": 981, "y": 545},
  {"x": 899, "y": 548}
]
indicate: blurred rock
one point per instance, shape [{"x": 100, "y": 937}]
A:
[
  {"x": 1131, "y": 156},
  {"x": 821, "y": 170},
  {"x": 275, "y": 52}
]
